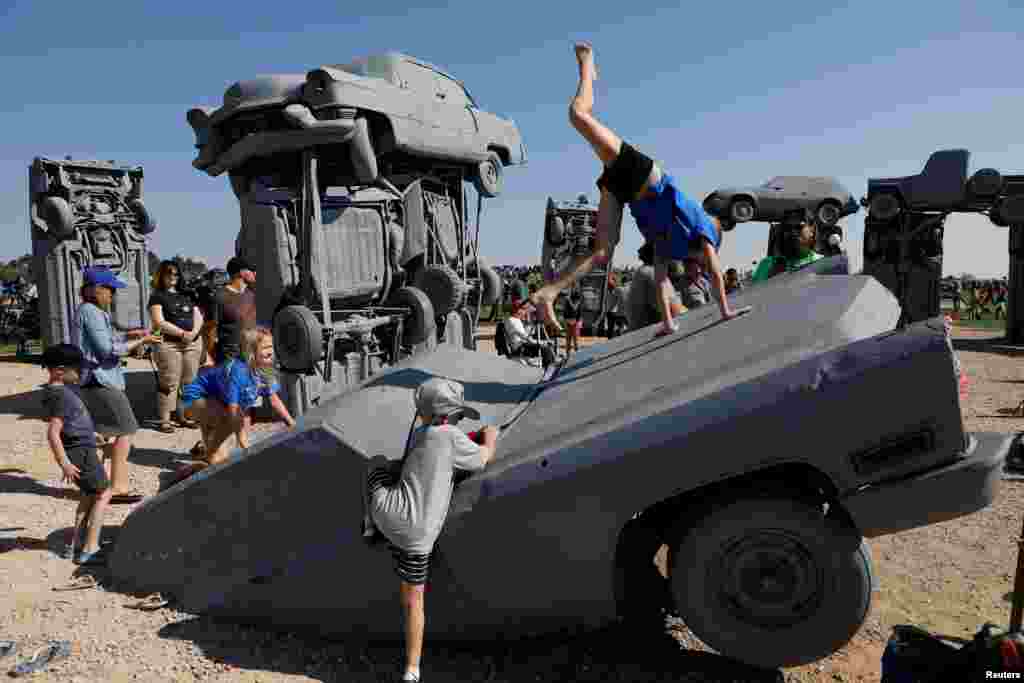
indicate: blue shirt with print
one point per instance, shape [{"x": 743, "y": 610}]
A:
[
  {"x": 231, "y": 383},
  {"x": 671, "y": 211}
]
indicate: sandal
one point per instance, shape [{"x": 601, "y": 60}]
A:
[
  {"x": 80, "y": 583},
  {"x": 93, "y": 559},
  {"x": 57, "y": 649},
  {"x": 164, "y": 427},
  {"x": 150, "y": 603},
  {"x": 198, "y": 449},
  {"x": 120, "y": 498}
]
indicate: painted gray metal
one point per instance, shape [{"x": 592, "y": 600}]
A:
[
  {"x": 580, "y": 220},
  {"x": 105, "y": 229},
  {"x": 780, "y": 194},
  {"x": 815, "y": 374},
  {"x": 424, "y": 112}
]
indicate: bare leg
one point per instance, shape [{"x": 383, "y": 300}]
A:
[
  {"x": 411, "y": 596},
  {"x": 664, "y": 289},
  {"x": 95, "y": 522},
  {"x": 605, "y": 142},
  {"x": 81, "y": 519},
  {"x": 119, "y": 464}
]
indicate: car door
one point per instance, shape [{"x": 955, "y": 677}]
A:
[
  {"x": 457, "y": 116},
  {"x": 772, "y": 199}
]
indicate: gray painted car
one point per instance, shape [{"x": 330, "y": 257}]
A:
[
  {"x": 392, "y": 112},
  {"x": 86, "y": 213},
  {"x": 824, "y": 196},
  {"x": 762, "y": 451}
]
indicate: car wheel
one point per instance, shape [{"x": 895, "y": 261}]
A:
[
  {"x": 489, "y": 178},
  {"x": 443, "y": 286},
  {"x": 885, "y": 206},
  {"x": 490, "y": 281},
  {"x": 828, "y": 213},
  {"x": 146, "y": 224},
  {"x": 772, "y": 582},
  {"x": 298, "y": 338},
  {"x": 554, "y": 233},
  {"x": 420, "y": 325},
  {"x": 741, "y": 210},
  {"x": 59, "y": 218}
]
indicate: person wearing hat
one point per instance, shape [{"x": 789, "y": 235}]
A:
[
  {"x": 234, "y": 309},
  {"x": 72, "y": 438},
  {"x": 799, "y": 238},
  {"x": 103, "y": 385},
  {"x": 410, "y": 511}
]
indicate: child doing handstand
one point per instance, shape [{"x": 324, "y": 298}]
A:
[{"x": 674, "y": 223}]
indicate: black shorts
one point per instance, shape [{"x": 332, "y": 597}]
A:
[
  {"x": 110, "y": 409},
  {"x": 410, "y": 567},
  {"x": 627, "y": 174},
  {"x": 92, "y": 479}
]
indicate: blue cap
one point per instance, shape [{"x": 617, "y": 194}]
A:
[{"x": 103, "y": 276}]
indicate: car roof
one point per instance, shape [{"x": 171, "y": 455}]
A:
[{"x": 394, "y": 58}]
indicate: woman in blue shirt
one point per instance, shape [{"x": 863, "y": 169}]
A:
[{"x": 676, "y": 225}]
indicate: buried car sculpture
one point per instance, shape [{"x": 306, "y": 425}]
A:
[
  {"x": 351, "y": 187},
  {"x": 767, "y": 558},
  {"x": 824, "y": 196},
  {"x": 570, "y": 231},
  {"x": 87, "y": 213}
]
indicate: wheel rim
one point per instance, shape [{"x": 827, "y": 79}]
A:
[
  {"x": 743, "y": 210},
  {"x": 828, "y": 214},
  {"x": 770, "y": 580},
  {"x": 491, "y": 172}
]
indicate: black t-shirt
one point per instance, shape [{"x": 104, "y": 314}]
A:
[
  {"x": 177, "y": 308},
  {"x": 63, "y": 401},
  {"x": 233, "y": 313},
  {"x": 571, "y": 309}
]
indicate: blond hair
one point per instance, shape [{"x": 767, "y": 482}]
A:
[{"x": 252, "y": 339}]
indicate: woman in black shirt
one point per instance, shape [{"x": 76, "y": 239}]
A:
[{"x": 177, "y": 356}]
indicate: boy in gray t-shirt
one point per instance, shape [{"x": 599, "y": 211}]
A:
[{"x": 411, "y": 510}]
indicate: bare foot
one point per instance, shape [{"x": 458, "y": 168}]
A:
[
  {"x": 545, "y": 302},
  {"x": 585, "y": 58}
]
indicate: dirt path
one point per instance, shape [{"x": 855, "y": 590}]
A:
[{"x": 949, "y": 577}]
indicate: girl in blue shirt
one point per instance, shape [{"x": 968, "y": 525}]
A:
[
  {"x": 220, "y": 396},
  {"x": 676, "y": 225}
]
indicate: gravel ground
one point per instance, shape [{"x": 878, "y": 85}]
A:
[{"x": 949, "y": 578}]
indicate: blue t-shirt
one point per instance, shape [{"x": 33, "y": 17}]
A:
[
  {"x": 232, "y": 383},
  {"x": 671, "y": 211}
]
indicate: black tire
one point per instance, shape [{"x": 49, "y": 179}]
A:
[
  {"x": 741, "y": 210},
  {"x": 454, "y": 329},
  {"x": 554, "y": 232},
  {"x": 444, "y": 287},
  {"x": 298, "y": 338},
  {"x": 885, "y": 206},
  {"x": 822, "y": 595},
  {"x": 420, "y": 324},
  {"x": 60, "y": 219},
  {"x": 489, "y": 176},
  {"x": 146, "y": 224},
  {"x": 828, "y": 213}
]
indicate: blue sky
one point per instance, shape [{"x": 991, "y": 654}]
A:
[{"x": 721, "y": 94}]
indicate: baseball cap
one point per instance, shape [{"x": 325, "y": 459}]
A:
[
  {"x": 441, "y": 397},
  {"x": 237, "y": 264},
  {"x": 103, "y": 276},
  {"x": 62, "y": 356}
]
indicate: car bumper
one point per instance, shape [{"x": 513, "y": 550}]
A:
[{"x": 960, "y": 488}]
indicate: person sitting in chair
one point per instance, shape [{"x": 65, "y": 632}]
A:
[
  {"x": 519, "y": 341},
  {"x": 799, "y": 238}
]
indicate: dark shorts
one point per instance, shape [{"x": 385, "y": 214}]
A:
[
  {"x": 110, "y": 409},
  {"x": 93, "y": 478},
  {"x": 626, "y": 175}
]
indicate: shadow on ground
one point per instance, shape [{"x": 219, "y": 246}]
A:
[
  {"x": 55, "y": 542},
  {"x": 610, "y": 654},
  {"x": 12, "y": 483}
]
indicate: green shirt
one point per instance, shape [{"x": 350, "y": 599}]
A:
[{"x": 767, "y": 265}]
